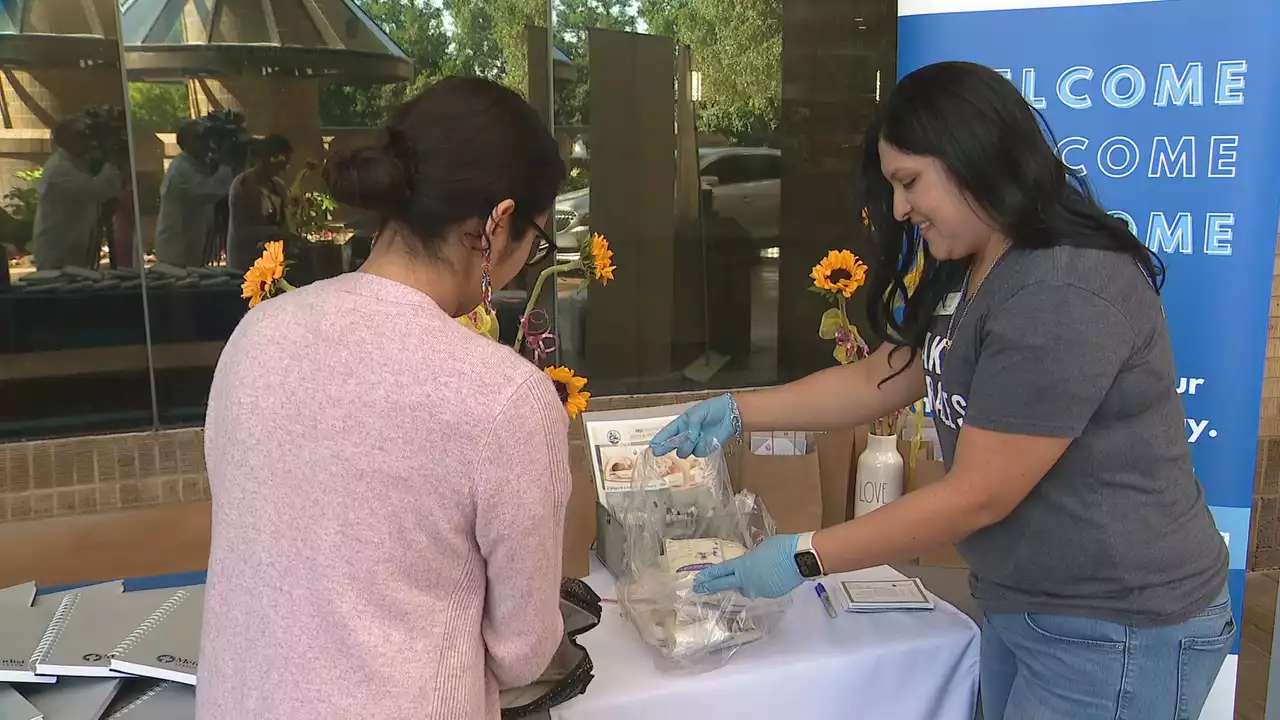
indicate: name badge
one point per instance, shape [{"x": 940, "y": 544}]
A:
[{"x": 948, "y": 304}]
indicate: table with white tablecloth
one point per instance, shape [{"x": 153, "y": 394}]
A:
[{"x": 887, "y": 666}]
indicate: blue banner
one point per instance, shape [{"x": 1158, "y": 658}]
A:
[{"x": 1170, "y": 108}]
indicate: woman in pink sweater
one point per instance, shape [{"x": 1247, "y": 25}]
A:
[{"x": 389, "y": 487}]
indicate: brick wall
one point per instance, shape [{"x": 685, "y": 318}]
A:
[
  {"x": 94, "y": 474},
  {"x": 1264, "y": 533},
  {"x": 84, "y": 475},
  {"x": 1264, "y": 545}
]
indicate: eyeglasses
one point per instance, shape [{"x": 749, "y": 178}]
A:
[{"x": 543, "y": 245}]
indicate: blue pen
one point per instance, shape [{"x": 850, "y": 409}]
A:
[{"x": 826, "y": 600}]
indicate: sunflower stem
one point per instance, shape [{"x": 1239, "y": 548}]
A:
[
  {"x": 537, "y": 290},
  {"x": 283, "y": 285},
  {"x": 841, "y": 301}
]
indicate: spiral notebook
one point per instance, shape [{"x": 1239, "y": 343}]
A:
[
  {"x": 165, "y": 645},
  {"x": 17, "y": 596},
  {"x": 15, "y": 707},
  {"x": 15, "y": 613},
  {"x": 82, "y": 634},
  {"x": 22, "y": 627},
  {"x": 154, "y": 701},
  {"x": 73, "y": 698}
]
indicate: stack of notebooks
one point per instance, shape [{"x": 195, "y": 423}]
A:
[{"x": 99, "y": 653}]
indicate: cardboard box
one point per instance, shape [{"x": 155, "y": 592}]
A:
[
  {"x": 802, "y": 492},
  {"x": 580, "y": 515},
  {"x": 584, "y": 507}
]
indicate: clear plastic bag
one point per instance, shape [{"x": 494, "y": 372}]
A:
[{"x": 679, "y": 517}]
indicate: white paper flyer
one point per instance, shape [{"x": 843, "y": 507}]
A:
[{"x": 615, "y": 440}]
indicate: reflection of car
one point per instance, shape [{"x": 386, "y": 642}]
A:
[{"x": 746, "y": 183}]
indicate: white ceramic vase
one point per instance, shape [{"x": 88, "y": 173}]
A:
[{"x": 880, "y": 473}]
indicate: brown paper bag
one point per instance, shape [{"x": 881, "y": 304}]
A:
[
  {"x": 580, "y": 515},
  {"x": 579, "y": 527},
  {"x": 789, "y": 485},
  {"x": 835, "y": 463},
  {"x": 928, "y": 471}
]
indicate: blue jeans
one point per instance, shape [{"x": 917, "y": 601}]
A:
[{"x": 1039, "y": 666}]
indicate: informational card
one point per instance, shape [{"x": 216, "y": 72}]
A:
[
  {"x": 885, "y": 595},
  {"x": 616, "y": 439}
]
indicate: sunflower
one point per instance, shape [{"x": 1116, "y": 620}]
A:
[
  {"x": 254, "y": 286},
  {"x": 840, "y": 272},
  {"x": 266, "y": 276},
  {"x": 569, "y": 386},
  {"x": 273, "y": 258},
  {"x": 600, "y": 260},
  {"x": 483, "y": 321}
]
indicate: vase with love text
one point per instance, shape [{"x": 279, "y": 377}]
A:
[{"x": 880, "y": 473}]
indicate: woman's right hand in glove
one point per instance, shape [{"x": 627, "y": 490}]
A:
[{"x": 700, "y": 430}]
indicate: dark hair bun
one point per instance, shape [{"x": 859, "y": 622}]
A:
[
  {"x": 367, "y": 178},
  {"x": 448, "y": 156}
]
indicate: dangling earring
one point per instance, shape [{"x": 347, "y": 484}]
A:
[
  {"x": 486, "y": 269},
  {"x": 486, "y": 280}
]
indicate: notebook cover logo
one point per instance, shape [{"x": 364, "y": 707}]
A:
[
  {"x": 180, "y": 662},
  {"x": 92, "y": 657}
]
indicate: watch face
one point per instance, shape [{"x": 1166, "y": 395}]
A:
[{"x": 807, "y": 562}]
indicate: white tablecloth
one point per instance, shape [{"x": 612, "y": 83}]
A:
[{"x": 887, "y": 666}]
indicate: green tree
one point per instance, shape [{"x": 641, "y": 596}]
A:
[
  {"x": 489, "y": 39},
  {"x": 737, "y": 48},
  {"x": 158, "y": 107},
  {"x": 574, "y": 19},
  {"x": 418, "y": 27}
]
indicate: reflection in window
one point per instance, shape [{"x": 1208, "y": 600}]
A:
[
  {"x": 234, "y": 166},
  {"x": 233, "y": 112},
  {"x": 73, "y": 356},
  {"x": 701, "y": 309}
]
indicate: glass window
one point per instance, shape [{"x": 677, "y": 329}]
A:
[
  {"x": 671, "y": 117},
  {"x": 73, "y": 343},
  {"x": 694, "y": 216},
  {"x": 230, "y": 132},
  {"x": 714, "y": 250},
  {"x": 735, "y": 168}
]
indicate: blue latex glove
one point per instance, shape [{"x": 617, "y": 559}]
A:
[
  {"x": 704, "y": 427},
  {"x": 767, "y": 571}
]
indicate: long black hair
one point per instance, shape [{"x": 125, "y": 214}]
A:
[{"x": 1001, "y": 153}]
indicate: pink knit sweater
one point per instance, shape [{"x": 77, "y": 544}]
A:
[{"x": 389, "y": 492}]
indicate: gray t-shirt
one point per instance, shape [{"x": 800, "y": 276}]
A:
[{"x": 1072, "y": 343}]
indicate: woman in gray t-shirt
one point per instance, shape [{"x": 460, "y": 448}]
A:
[
  {"x": 258, "y": 202},
  {"x": 1037, "y": 336}
]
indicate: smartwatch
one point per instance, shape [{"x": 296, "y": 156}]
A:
[{"x": 807, "y": 560}]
